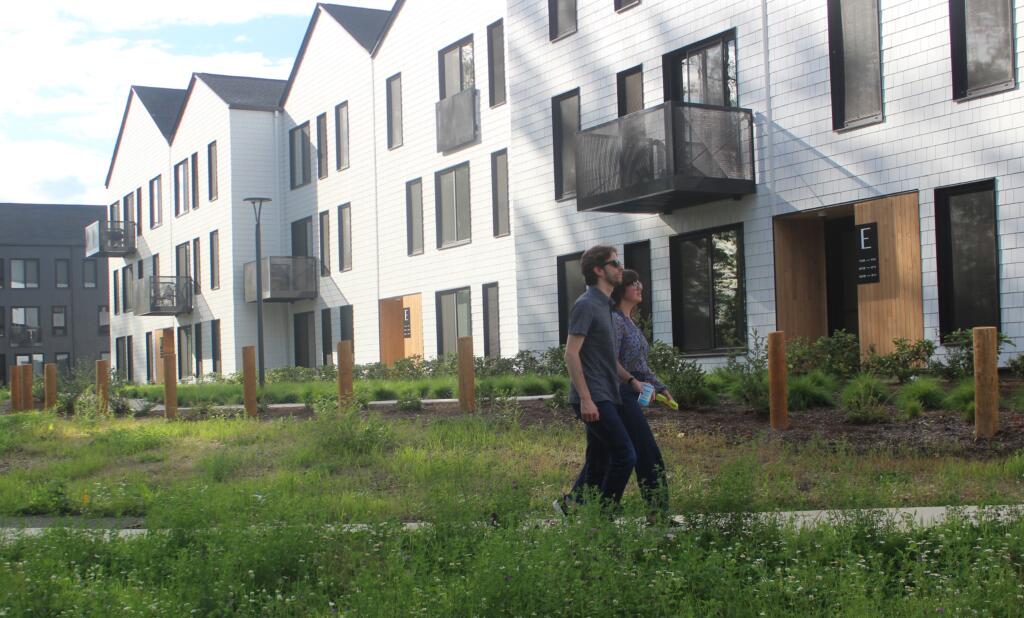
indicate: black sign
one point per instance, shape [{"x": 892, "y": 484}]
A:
[
  {"x": 866, "y": 240},
  {"x": 406, "y": 323}
]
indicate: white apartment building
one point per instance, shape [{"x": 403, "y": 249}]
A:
[{"x": 806, "y": 166}]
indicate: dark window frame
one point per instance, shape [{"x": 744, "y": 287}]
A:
[
  {"x": 488, "y": 317},
  {"x": 195, "y": 180},
  {"x": 620, "y": 88},
  {"x": 117, "y": 292},
  {"x": 554, "y": 33},
  {"x": 345, "y": 237},
  {"x": 215, "y": 352},
  {"x": 322, "y": 153},
  {"x": 672, "y": 84},
  {"x": 837, "y": 72},
  {"x": 58, "y": 331},
  {"x": 342, "y": 154},
  {"x": 326, "y": 337},
  {"x": 215, "y": 260},
  {"x": 149, "y": 357},
  {"x": 86, "y": 264},
  {"x": 958, "y": 55},
  {"x": 182, "y": 193},
  {"x": 625, "y": 5},
  {"x": 67, "y": 273},
  {"x": 438, "y": 205},
  {"x": 26, "y": 283},
  {"x": 493, "y": 92},
  {"x": 156, "y": 204},
  {"x": 440, "y": 320},
  {"x": 305, "y": 162},
  {"x": 212, "y": 181},
  {"x": 497, "y": 216},
  {"x": 324, "y": 232},
  {"x": 463, "y": 42},
  {"x": 410, "y": 228},
  {"x": 197, "y": 267},
  {"x": 346, "y": 324},
  {"x": 557, "y": 141},
  {"x": 561, "y": 283},
  {"x": 396, "y": 132}
]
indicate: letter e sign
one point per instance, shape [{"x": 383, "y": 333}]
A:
[{"x": 867, "y": 252}]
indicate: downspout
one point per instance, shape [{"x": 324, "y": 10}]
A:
[
  {"x": 376, "y": 191},
  {"x": 290, "y": 350},
  {"x": 769, "y": 126}
]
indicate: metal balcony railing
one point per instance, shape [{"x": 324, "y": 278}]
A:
[
  {"x": 285, "y": 279},
  {"x": 456, "y": 120},
  {"x": 110, "y": 238},
  {"x": 664, "y": 158},
  {"x": 23, "y": 336},
  {"x": 163, "y": 295}
]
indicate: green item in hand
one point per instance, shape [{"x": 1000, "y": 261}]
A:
[{"x": 665, "y": 401}]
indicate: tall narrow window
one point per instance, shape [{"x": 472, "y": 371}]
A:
[
  {"x": 325, "y": 243},
  {"x": 2, "y": 332},
  {"x": 321, "y": 146},
  {"x": 499, "y": 192},
  {"x": 214, "y": 260},
  {"x": 452, "y": 198},
  {"x": 60, "y": 324},
  {"x": 215, "y": 356},
  {"x": 138, "y": 211},
  {"x": 182, "y": 193},
  {"x": 63, "y": 273},
  {"x": 182, "y": 263},
  {"x": 347, "y": 326},
  {"x": 3, "y": 274},
  {"x": 496, "y": 62},
  {"x": 708, "y": 308},
  {"x": 571, "y": 285},
  {"x": 345, "y": 237},
  {"x": 121, "y": 357},
  {"x": 127, "y": 285},
  {"x": 156, "y": 203},
  {"x": 492, "y": 328},
  {"x": 455, "y": 64},
  {"x": 394, "y": 94},
  {"x": 631, "y": 90},
  {"x": 103, "y": 319},
  {"x": 637, "y": 256},
  {"x": 326, "y": 338},
  {"x": 199, "y": 348},
  {"x": 184, "y": 352},
  {"x": 453, "y": 320},
  {"x": 116, "y": 292},
  {"x": 63, "y": 362},
  {"x": 130, "y": 349},
  {"x": 24, "y": 274},
  {"x": 565, "y": 122},
  {"x": 89, "y": 273},
  {"x": 704, "y": 72},
  {"x": 982, "y": 47},
  {"x": 155, "y": 265},
  {"x": 197, "y": 270},
  {"x": 298, "y": 155},
  {"x": 341, "y": 135},
  {"x": 855, "y": 62},
  {"x": 561, "y": 18},
  {"x": 115, "y": 212},
  {"x": 967, "y": 255},
  {"x": 414, "y": 216},
  {"x": 195, "y": 180},
  {"x": 212, "y": 185},
  {"x": 149, "y": 358},
  {"x": 128, "y": 204}
]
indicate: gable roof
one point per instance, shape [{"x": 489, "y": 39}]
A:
[
  {"x": 253, "y": 93},
  {"x": 163, "y": 105}
]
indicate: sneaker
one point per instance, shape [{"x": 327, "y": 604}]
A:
[{"x": 561, "y": 506}]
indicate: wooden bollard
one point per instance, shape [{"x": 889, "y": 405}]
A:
[
  {"x": 28, "y": 401},
  {"x": 50, "y": 377},
  {"x": 170, "y": 365},
  {"x": 249, "y": 380},
  {"x": 14, "y": 383},
  {"x": 103, "y": 385},
  {"x": 986, "y": 382},
  {"x": 467, "y": 375},
  {"x": 345, "y": 362},
  {"x": 777, "y": 388}
]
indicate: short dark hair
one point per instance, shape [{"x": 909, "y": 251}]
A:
[{"x": 594, "y": 257}]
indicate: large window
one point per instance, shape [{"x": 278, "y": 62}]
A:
[
  {"x": 59, "y": 321},
  {"x": 453, "y": 320},
  {"x": 156, "y": 203},
  {"x": 561, "y": 18},
  {"x": 24, "y": 274},
  {"x": 565, "y": 122},
  {"x": 414, "y": 216},
  {"x": 499, "y": 192},
  {"x": 394, "y": 95},
  {"x": 704, "y": 72},
  {"x": 455, "y": 67},
  {"x": 62, "y": 273},
  {"x": 452, "y": 199},
  {"x": 325, "y": 243},
  {"x": 182, "y": 193},
  {"x": 496, "y": 62},
  {"x": 299, "y": 155},
  {"x": 212, "y": 185},
  {"x": 341, "y": 140},
  {"x": 630, "y": 86},
  {"x": 25, "y": 331},
  {"x": 708, "y": 307},
  {"x": 981, "y": 46},
  {"x": 492, "y": 321},
  {"x": 966, "y": 252},
  {"x": 855, "y": 62},
  {"x": 571, "y": 285},
  {"x": 321, "y": 146},
  {"x": 326, "y": 338},
  {"x": 214, "y": 260}
]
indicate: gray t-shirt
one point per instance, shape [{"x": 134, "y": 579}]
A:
[{"x": 591, "y": 317}]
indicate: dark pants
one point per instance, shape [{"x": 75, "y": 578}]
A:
[
  {"x": 650, "y": 466},
  {"x": 610, "y": 455}
]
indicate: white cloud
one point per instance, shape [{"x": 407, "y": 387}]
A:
[
  {"x": 51, "y": 171},
  {"x": 242, "y": 39}
]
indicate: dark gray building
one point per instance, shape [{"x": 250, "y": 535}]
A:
[{"x": 53, "y": 301}]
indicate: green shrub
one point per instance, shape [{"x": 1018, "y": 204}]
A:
[
  {"x": 911, "y": 409},
  {"x": 905, "y": 361},
  {"x": 838, "y": 355},
  {"x": 751, "y": 376},
  {"x": 813, "y": 390},
  {"x": 383, "y": 392},
  {"x": 534, "y": 385},
  {"x": 961, "y": 399},
  {"x": 442, "y": 391},
  {"x": 721, "y": 380},
  {"x": 925, "y": 391},
  {"x": 687, "y": 384},
  {"x": 958, "y": 362},
  {"x": 409, "y": 403},
  {"x": 1016, "y": 367},
  {"x": 863, "y": 399}
]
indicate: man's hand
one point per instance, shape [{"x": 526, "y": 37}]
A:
[{"x": 588, "y": 411}]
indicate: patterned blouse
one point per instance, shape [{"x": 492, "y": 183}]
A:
[{"x": 633, "y": 348}]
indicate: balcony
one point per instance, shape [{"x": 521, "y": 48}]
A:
[
  {"x": 286, "y": 279},
  {"x": 23, "y": 336},
  {"x": 456, "y": 120},
  {"x": 163, "y": 295},
  {"x": 110, "y": 239},
  {"x": 664, "y": 158}
]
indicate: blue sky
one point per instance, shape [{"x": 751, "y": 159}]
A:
[{"x": 63, "y": 103}]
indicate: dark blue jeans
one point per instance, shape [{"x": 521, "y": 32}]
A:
[{"x": 610, "y": 455}]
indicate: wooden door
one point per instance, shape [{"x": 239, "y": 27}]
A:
[
  {"x": 801, "y": 304},
  {"x": 413, "y": 336},
  {"x": 392, "y": 346}
]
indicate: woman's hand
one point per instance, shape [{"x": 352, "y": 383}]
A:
[{"x": 667, "y": 394}]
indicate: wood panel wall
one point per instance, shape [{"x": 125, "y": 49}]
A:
[
  {"x": 801, "y": 305},
  {"x": 413, "y": 346}
]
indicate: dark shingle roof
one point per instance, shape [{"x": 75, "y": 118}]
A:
[
  {"x": 163, "y": 104},
  {"x": 365, "y": 25},
  {"x": 254, "y": 93}
]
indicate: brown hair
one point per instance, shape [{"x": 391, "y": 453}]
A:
[
  {"x": 629, "y": 277},
  {"x": 592, "y": 258}
]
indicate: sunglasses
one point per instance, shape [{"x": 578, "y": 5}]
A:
[{"x": 615, "y": 263}]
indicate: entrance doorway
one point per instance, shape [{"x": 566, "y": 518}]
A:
[
  {"x": 305, "y": 346},
  {"x": 401, "y": 328}
]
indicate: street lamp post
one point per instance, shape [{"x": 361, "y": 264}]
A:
[{"x": 257, "y": 209}]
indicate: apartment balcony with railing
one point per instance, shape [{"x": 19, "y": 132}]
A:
[
  {"x": 664, "y": 158},
  {"x": 22, "y": 336},
  {"x": 110, "y": 239},
  {"x": 163, "y": 295},
  {"x": 456, "y": 120},
  {"x": 285, "y": 279}
]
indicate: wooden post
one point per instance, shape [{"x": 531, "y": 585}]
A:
[
  {"x": 103, "y": 385},
  {"x": 467, "y": 375},
  {"x": 986, "y": 382},
  {"x": 777, "y": 393},
  {"x": 28, "y": 402},
  {"x": 249, "y": 379},
  {"x": 14, "y": 383},
  {"x": 170, "y": 365},
  {"x": 344, "y": 373},
  {"x": 51, "y": 386}
]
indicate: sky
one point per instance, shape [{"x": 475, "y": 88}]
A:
[{"x": 68, "y": 65}]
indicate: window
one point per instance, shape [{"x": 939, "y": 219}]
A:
[
  {"x": 321, "y": 146},
  {"x": 492, "y": 330},
  {"x": 347, "y": 327},
  {"x": 325, "y": 337},
  {"x": 120, "y": 356},
  {"x": 2, "y": 321},
  {"x": 195, "y": 180},
  {"x": 115, "y": 212},
  {"x": 63, "y": 360},
  {"x": 453, "y": 320},
  {"x": 127, "y": 280},
  {"x": 704, "y": 72},
  {"x": 62, "y": 271},
  {"x": 496, "y": 62},
  {"x": 3, "y": 273},
  {"x": 89, "y": 273},
  {"x": 25, "y": 331},
  {"x": 452, "y": 199},
  {"x": 60, "y": 327},
  {"x": 561, "y": 18},
  {"x": 499, "y": 192},
  {"x": 344, "y": 237},
  {"x": 197, "y": 271},
  {"x": 199, "y": 349},
  {"x": 182, "y": 263},
  {"x": 455, "y": 67},
  {"x": 156, "y": 203},
  {"x": 138, "y": 269},
  {"x": 298, "y": 155},
  {"x": 24, "y": 274},
  {"x": 212, "y": 185},
  {"x": 855, "y": 62},
  {"x": 414, "y": 216},
  {"x": 637, "y": 256},
  {"x": 116, "y": 292},
  {"x": 149, "y": 358},
  {"x": 565, "y": 122},
  {"x": 103, "y": 319},
  {"x": 129, "y": 208},
  {"x": 571, "y": 285},
  {"x": 341, "y": 135},
  {"x": 182, "y": 194},
  {"x": 622, "y": 5},
  {"x": 394, "y": 94},
  {"x": 967, "y": 258},
  {"x": 184, "y": 352},
  {"x": 214, "y": 260},
  {"x": 631, "y": 90},
  {"x": 982, "y": 47},
  {"x": 708, "y": 307},
  {"x": 215, "y": 356},
  {"x": 155, "y": 265},
  {"x": 36, "y": 360},
  {"x": 325, "y": 242}
]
